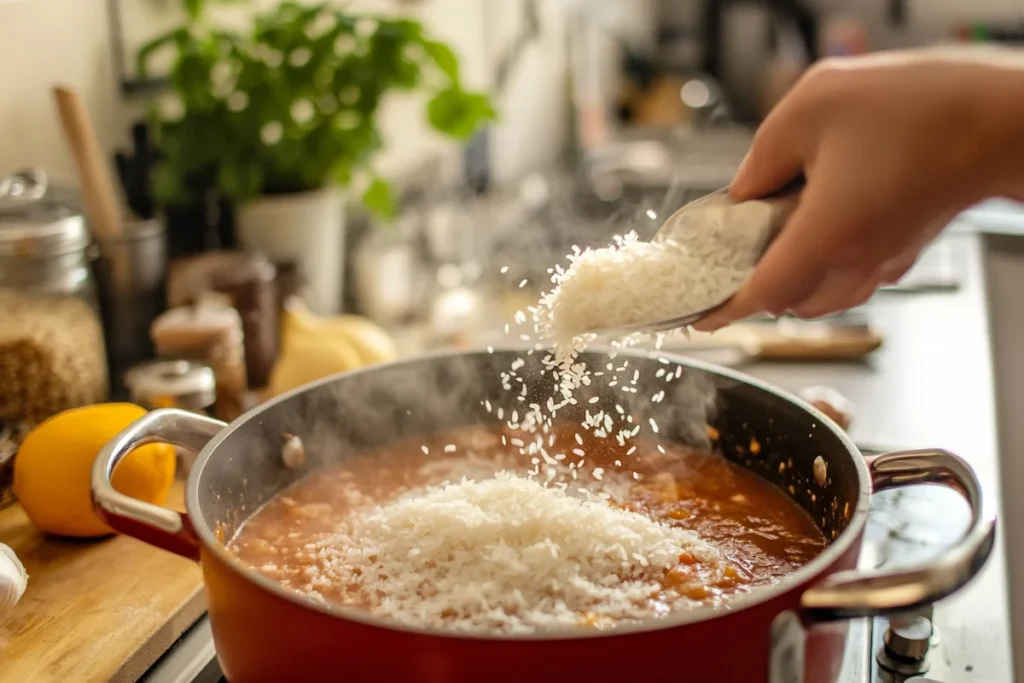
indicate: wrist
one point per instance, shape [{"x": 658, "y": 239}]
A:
[{"x": 998, "y": 100}]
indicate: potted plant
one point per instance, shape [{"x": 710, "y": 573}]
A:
[{"x": 278, "y": 119}]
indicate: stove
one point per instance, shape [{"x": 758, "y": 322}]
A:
[{"x": 906, "y": 526}]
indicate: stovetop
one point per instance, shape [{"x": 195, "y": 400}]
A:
[{"x": 906, "y": 526}]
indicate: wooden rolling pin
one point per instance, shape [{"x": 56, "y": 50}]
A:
[{"x": 101, "y": 205}]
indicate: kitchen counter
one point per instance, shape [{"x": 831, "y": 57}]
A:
[
  {"x": 94, "y": 610},
  {"x": 930, "y": 385}
]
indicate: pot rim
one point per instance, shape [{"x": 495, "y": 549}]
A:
[{"x": 802, "y": 576}]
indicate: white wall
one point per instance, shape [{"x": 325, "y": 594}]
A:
[{"x": 45, "y": 42}]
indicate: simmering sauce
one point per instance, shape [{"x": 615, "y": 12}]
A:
[{"x": 761, "y": 534}]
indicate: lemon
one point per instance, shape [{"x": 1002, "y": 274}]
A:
[{"x": 53, "y": 468}]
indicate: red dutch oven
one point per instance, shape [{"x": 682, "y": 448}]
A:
[{"x": 791, "y": 632}]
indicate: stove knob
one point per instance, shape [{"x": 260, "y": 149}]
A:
[
  {"x": 908, "y": 638},
  {"x": 928, "y": 612}
]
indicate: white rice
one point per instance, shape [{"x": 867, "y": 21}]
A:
[
  {"x": 505, "y": 555},
  {"x": 628, "y": 282},
  {"x": 633, "y": 282}
]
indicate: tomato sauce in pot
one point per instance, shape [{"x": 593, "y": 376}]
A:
[{"x": 760, "y": 532}]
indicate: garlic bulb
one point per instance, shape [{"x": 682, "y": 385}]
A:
[{"x": 13, "y": 578}]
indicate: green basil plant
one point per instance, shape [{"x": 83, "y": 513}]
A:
[{"x": 291, "y": 104}]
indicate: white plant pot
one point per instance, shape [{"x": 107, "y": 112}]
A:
[{"x": 306, "y": 228}]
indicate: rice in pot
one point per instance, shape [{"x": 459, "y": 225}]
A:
[{"x": 508, "y": 554}]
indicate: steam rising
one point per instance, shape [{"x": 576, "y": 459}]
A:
[{"x": 366, "y": 409}]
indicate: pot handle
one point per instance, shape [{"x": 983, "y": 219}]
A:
[
  {"x": 159, "y": 526},
  {"x": 851, "y": 594}
]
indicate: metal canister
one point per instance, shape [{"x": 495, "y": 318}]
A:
[{"x": 183, "y": 384}]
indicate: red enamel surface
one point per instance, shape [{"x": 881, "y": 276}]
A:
[{"x": 264, "y": 638}]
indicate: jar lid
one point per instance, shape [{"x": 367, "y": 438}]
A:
[
  {"x": 34, "y": 221},
  {"x": 172, "y": 383}
]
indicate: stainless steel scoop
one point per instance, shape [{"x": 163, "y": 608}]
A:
[{"x": 747, "y": 228}]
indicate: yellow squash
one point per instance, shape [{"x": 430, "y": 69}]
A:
[{"x": 313, "y": 347}]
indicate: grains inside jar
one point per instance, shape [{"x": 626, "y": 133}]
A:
[{"x": 52, "y": 356}]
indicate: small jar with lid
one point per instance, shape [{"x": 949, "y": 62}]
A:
[
  {"x": 52, "y": 354},
  {"x": 187, "y": 385},
  {"x": 182, "y": 384},
  {"x": 209, "y": 332}
]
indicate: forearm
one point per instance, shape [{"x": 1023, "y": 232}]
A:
[{"x": 997, "y": 96}]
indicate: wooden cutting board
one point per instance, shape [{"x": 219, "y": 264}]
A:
[
  {"x": 788, "y": 340},
  {"x": 94, "y": 610}
]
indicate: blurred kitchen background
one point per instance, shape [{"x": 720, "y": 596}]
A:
[
  {"x": 609, "y": 114},
  {"x": 216, "y": 204},
  {"x": 257, "y": 194},
  {"x": 199, "y": 221}
]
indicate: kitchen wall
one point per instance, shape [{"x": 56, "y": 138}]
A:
[
  {"x": 927, "y": 20},
  {"x": 44, "y": 42}
]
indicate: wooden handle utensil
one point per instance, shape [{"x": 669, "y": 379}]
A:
[{"x": 101, "y": 204}]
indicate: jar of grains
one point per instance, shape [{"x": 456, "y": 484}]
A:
[
  {"x": 51, "y": 339},
  {"x": 209, "y": 332}
]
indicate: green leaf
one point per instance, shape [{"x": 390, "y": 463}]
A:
[
  {"x": 459, "y": 113},
  {"x": 194, "y": 8},
  {"x": 379, "y": 199},
  {"x": 444, "y": 58},
  {"x": 239, "y": 181}
]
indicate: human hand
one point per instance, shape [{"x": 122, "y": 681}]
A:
[{"x": 893, "y": 146}]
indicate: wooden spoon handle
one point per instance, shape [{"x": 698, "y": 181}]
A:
[{"x": 101, "y": 204}]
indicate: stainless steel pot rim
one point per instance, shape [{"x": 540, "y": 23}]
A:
[{"x": 803, "y": 576}]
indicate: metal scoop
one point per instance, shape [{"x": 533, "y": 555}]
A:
[{"x": 747, "y": 228}]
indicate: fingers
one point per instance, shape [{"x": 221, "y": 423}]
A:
[
  {"x": 773, "y": 159},
  {"x": 845, "y": 289},
  {"x": 893, "y": 270},
  {"x": 840, "y": 291}
]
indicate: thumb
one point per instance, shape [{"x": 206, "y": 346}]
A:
[{"x": 773, "y": 159}]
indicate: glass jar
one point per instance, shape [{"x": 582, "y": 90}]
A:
[{"x": 52, "y": 354}]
